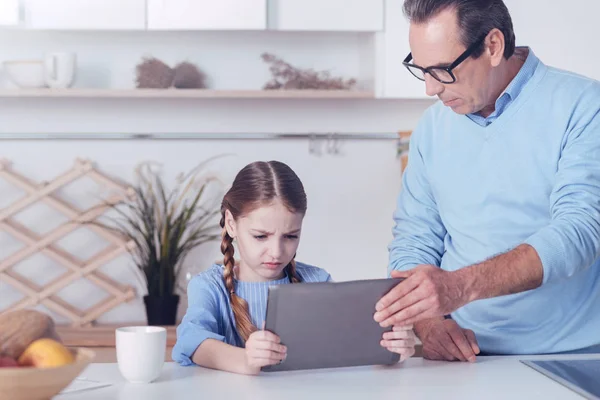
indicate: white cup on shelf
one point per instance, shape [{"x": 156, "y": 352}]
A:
[
  {"x": 141, "y": 352},
  {"x": 60, "y": 69}
]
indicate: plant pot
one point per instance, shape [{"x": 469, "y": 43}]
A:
[{"x": 161, "y": 310}]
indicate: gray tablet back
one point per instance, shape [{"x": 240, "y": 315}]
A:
[{"x": 328, "y": 325}]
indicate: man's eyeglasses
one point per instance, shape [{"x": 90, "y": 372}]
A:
[{"x": 442, "y": 74}]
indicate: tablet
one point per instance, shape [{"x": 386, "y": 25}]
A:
[
  {"x": 329, "y": 324},
  {"x": 581, "y": 376}
]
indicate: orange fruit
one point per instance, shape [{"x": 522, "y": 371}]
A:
[{"x": 46, "y": 353}]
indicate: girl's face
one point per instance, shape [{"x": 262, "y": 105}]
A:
[{"x": 267, "y": 239}]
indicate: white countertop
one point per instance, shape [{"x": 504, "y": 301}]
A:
[{"x": 488, "y": 378}]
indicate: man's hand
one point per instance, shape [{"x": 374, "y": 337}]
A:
[
  {"x": 427, "y": 292},
  {"x": 263, "y": 348},
  {"x": 445, "y": 340}
]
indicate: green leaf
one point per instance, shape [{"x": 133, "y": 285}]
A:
[{"x": 166, "y": 225}]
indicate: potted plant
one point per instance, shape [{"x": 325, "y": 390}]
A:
[{"x": 165, "y": 226}]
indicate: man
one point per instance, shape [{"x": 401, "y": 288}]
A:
[{"x": 497, "y": 226}]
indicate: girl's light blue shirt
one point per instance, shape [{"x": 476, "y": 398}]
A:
[{"x": 209, "y": 314}]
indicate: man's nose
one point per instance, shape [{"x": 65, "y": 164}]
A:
[{"x": 433, "y": 87}]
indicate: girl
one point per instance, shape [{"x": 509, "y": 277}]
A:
[{"x": 262, "y": 212}]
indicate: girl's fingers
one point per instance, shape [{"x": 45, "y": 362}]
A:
[
  {"x": 266, "y": 336},
  {"x": 398, "y": 335},
  {"x": 405, "y": 352},
  {"x": 401, "y": 343},
  {"x": 266, "y": 355},
  {"x": 267, "y": 345},
  {"x": 402, "y": 328},
  {"x": 263, "y": 362}
]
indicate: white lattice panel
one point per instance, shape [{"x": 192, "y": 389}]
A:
[{"x": 45, "y": 244}]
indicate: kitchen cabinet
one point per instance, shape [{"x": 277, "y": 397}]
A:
[
  {"x": 9, "y": 12},
  {"x": 85, "y": 14},
  {"x": 207, "y": 14},
  {"x": 326, "y": 15},
  {"x": 182, "y": 15}
]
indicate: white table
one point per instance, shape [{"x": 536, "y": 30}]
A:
[{"x": 488, "y": 378}]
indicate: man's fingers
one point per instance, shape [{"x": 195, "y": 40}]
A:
[
  {"x": 431, "y": 354},
  {"x": 399, "y": 305},
  {"x": 449, "y": 347},
  {"x": 397, "y": 292},
  {"x": 472, "y": 341},
  {"x": 437, "y": 345},
  {"x": 410, "y": 315},
  {"x": 401, "y": 274},
  {"x": 460, "y": 340}
]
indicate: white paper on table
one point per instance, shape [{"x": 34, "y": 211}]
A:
[
  {"x": 80, "y": 384},
  {"x": 9, "y": 12}
]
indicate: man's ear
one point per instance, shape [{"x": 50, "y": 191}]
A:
[
  {"x": 230, "y": 224},
  {"x": 495, "y": 46}
]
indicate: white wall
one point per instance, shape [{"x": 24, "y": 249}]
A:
[
  {"x": 351, "y": 195},
  {"x": 560, "y": 33}
]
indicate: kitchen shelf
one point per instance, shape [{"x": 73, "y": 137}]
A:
[{"x": 185, "y": 94}]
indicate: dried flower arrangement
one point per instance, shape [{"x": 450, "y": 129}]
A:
[
  {"x": 152, "y": 73},
  {"x": 286, "y": 76}
]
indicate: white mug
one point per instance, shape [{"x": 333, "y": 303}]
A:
[
  {"x": 60, "y": 69},
  {"x": 141, "y": 352}
]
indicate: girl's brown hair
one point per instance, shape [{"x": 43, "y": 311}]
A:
[{"x": 256, "y": 185}]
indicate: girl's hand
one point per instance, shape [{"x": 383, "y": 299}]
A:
[
  {"x": 400, "y": 340},
  {"x": 263, "y": 348}
]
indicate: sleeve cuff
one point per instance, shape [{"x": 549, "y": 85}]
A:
[
  {"x": 186, "y": 346},
  {"x": 551, "y": 255},
  {"x": 397, "y": 266}
]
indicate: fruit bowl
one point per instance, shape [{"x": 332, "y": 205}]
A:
[{"x": 33, "y": 383}]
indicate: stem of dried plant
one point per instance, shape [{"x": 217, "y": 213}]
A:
[{"x": 286, "y": 76}]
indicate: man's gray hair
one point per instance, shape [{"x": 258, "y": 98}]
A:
[{"x": 475, "y": 19}]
